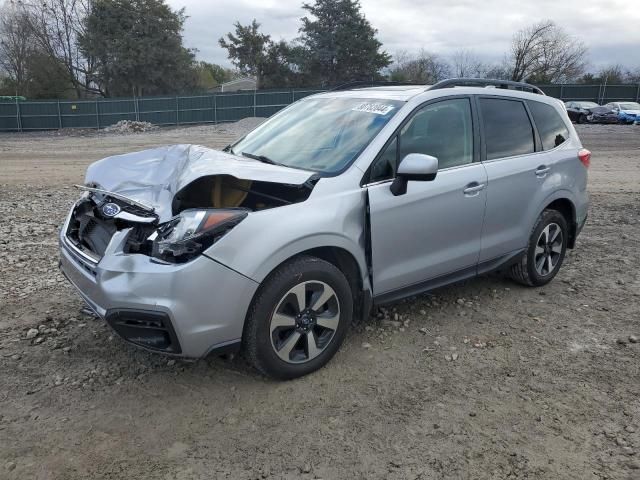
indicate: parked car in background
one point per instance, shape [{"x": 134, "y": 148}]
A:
[
  {"x": 628, "y": 112},
  {"x": 344, "y": 200},
  {"x": 590, "y": 112}
]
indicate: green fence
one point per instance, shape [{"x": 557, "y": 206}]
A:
[
  {"x": 181, "y": 110},
  {"x": 594, "y": 93},
  {"x": 214, "y": 108}
]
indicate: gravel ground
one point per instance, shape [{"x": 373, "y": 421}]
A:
[{"x": 483, "y": 380}]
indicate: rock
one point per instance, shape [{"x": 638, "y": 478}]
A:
[
  {"x": 38, "y": 340},
  {"x": 620, "y": 281},
  {"x": 423, "y": 330},
  {"x": 10, "y": 466},
  {"x": 621, "y": 442},
  {"x": 448, "y": 358},
  {"x": 171, "y": 363},
  {"x": 130, "y": 126},
  {"x": 454, "y": 356},
  {"x": 460, "y": 301},
  {"x": 423, "y": 312},
  {"x": 628, "y": 451},
  {"x": 366, "y": 345},
  {"x": 306, "y": 468},
  {"x": 31, "y": 333},
  {"x": 633, "y": 339},
  {"x": 621, "y": 341},
  {"x": 391, "y": 323},
  {"x": 633, "y": 465},
  {"x": 629, "y": 429}
]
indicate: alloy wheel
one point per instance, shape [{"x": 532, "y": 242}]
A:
[
  {"x": 304, "y": 322},
  {"x": 548, "y": 249}
]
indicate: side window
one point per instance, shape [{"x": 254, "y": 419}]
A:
[
  {"x": 384, "y": 167},
  {"x": 443, "y": 130},
  {"x": 507, "y": 128},
  {"x": 551, "y": 128}
]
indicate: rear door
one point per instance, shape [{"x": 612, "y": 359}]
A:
[
  {"x": 520, "y": 173},
  {"x": 434, "y": 229}
]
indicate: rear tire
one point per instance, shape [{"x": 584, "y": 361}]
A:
[
  {"x": 298, "y": 318},
  {"x": 545, "y": 251}
]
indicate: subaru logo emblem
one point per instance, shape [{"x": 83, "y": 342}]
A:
[{"x": 110, "y": 209}]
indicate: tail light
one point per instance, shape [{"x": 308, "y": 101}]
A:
[{"x": 585, "y": 157}]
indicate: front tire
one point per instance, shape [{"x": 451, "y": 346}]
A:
[
  {"x": 298, "y": 319},
  {"x": 545, "y": 251}
]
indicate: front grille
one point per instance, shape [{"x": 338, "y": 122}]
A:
[
  {"x": 87, "y": 232},
  {"x": 95, "y": 233}
]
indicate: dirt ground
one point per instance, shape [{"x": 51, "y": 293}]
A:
[{"x": 481, "y": 380}]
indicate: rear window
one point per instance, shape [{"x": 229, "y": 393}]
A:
[
  {"x": 552, "y": 130},
  {"x": 507, "y": 128}
]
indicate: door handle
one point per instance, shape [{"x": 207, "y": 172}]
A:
[
  {"x": 542, "y": 170},
  {"x": 473, "y": 188}
]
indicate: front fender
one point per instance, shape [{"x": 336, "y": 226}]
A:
[{"x": 267, "y": 238}]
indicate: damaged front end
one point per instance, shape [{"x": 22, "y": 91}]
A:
[{"x": 174, "y": 218}]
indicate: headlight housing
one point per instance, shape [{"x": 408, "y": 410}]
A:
[{"x": 191, "y": 232}]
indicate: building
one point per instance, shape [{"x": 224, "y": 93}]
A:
[{"x": 244, "y": 83}]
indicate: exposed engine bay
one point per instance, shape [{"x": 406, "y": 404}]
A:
[{"x": 202, "y": 212}]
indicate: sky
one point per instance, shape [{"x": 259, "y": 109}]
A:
[{"x": 609, "y": 28}]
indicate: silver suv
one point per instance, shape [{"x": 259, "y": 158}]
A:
[{"x": 342, "y": 201}]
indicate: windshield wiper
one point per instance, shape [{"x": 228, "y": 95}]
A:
[{"x": 260, "y": 158}]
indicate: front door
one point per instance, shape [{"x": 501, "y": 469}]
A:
[{"x": 434, "y": 229}]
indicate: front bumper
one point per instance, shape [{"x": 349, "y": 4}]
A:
[
  {"x": 603, "y": 119},
  {"x": 201, "y": 304}
]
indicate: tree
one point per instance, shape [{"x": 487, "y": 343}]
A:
[
  {"x": 467, "y": 65},
  {"x": 425, "y": 67},
  {"x": 16, "y": 47},
  {"x": 56, "y": 26},
  {"x": 137, "y": 48},
  {"x": 633, "y": 76},
  {"x": 247, "y": 49},
  {"x": 544, "y": 53},
  {"x": 29, "y": 71},
  {"x": 209, "y": 75},
  {"x": 612, "y": 74},
  {"x": 339, "y": 43},
  {"x": 272, "y": 64}
]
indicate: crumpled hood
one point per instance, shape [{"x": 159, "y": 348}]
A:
[{"x": 154, "y": 176}]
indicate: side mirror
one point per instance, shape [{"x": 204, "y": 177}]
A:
[{"x": 415, "y": 166}]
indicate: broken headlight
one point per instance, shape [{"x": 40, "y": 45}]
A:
[{"x": 192, "y": 231}]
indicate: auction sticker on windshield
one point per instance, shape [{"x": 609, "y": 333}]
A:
[{"x": 378, "y": 108}]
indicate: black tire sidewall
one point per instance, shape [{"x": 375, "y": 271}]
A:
[
  {"x": 547, "y": 217},
  {"x": 270, "y": 294}
]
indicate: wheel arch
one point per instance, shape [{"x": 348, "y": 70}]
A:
[
  {"x": 344, "y": 260},
  {"x": 561, "y": 202}
]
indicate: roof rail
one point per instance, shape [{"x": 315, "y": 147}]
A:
[
  {"x": 485, "y": 82},
  {"x": 369, "y": 83}
]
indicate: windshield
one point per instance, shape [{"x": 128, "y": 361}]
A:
[
  {"x": 630, "y": 106},
  {"x": 320, "y": 134},
  {"x": 587, "y": 104}
]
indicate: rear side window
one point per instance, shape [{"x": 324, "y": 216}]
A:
[
  {"x": 551, "y": 128},
  {"x": 507, "y": 128}
]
